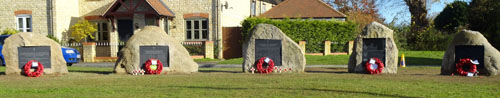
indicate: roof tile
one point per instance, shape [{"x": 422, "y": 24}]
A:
[{"x": 302, "y": 9}]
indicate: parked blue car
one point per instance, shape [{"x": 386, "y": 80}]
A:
[{"x": 71, "y": 55}]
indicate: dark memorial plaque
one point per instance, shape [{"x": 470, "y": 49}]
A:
[
  {"x": 470, "y": 51},
  {"x": 268, "y": 48},
  {"x": 373, "y": 47},
  {"x": 157, "y": 52},
  {"x": 38, "y": 53}
]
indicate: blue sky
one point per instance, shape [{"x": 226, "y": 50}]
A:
[{"x": 401, "y": 15}]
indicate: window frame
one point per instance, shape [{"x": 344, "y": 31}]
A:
[
  {"x": 148, "y": 21},
  {"x": 200, "y": 29},
  {"x": 253, "y": 8},
  {"x": 166, "y": 24},
  {"x": 100, "y": 32},
  {"x": 263, "y": 8},
  {"x": 24, "y": 23}
]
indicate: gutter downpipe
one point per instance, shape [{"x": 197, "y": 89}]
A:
[
  {"x": 50, "y": 22},
  {"x": 218, "y": 30}
]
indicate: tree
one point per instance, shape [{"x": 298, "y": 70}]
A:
[
  {"x": 453, "y": 15},
  {"x": 362, "y": 12},
  {"x": 419, "y": 22},
  {"x": 83, "y": 29},
  {"x": 485, "y": 18}
]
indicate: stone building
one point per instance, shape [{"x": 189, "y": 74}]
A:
[{"x": 117, "y": 20}]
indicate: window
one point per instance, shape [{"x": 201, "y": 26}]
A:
[
  {"x": 166, "y": 25},
  {"x": 197, "y": 29},
  {"x": 102, "y": 31},
  {"x": 252, "y": 9},
  {"x": 150, "y": 21},
  {"x": 263, "y": 8},
  {"x": 24, "y": 23}
]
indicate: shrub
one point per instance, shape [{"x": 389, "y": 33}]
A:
[
  {"x": 9, "y": 31},
  {"x": 83, "y": 29},
  {"x": 194, "y": 49},
  {"x": 429, "y": 39},
  {"x": 54, "y": 38},
  {"x": 312, "y": 31}
]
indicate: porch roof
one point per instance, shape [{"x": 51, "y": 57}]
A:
[{"x": 159, "y": 7}]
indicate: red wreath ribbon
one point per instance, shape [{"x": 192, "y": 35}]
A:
[
  {"x": 38, "y": 72},
  {"x": 380, "y": 66},
  {"x": 159, "y": 67},
  {"x": 269, "y": 68},
  {"x": 465, "y": 63}
]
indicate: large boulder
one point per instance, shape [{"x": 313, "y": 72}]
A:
[
  {"x": 10, "y": 52},
  {"x": 472, "y": 38},
  {"x": 179, "y": 58},
  {"x": 374, "y": 30},
  {"x": 291, "y": 55}
]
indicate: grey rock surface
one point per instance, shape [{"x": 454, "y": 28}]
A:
[
  {"x": 292, "y": 57},
  {"x": 467, "y": 37},
  {"x": 129, "y": 56},
  {"x": 374, "y": 30},
  {"x": 10, "y": 52}
]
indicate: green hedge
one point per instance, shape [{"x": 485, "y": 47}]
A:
[{"x": 312, "y": 31}]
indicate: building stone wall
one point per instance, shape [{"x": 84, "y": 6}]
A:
[
  {"x": 65, "y": 15},
  {"x": 239, "y": 10},
  {"x": 235, "y": 13},
  {"x": 261, "y": 7},
  {"x": 93, "y": 7},
  {"x": 181, "y": 7},
  {"x": 38, "y": 16}
]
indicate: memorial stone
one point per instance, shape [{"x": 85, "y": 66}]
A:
[
  {"x": 19, "y": 48},
  {"x": 266, "y": 40},
  {"x": 473, "y": 45},
  {"x": 376, "y": 40},
  {"x": 153, "y": 42}
]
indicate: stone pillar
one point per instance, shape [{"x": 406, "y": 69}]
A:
[
  {"x": 89, "y": 51},
  {"x": 326, "y": 48},
  {"x": 209, "y": 49},
  {"x": 350, "y": 46},
  {"x": 302, "y": 45},
  {"x": 114, "y": 41}
]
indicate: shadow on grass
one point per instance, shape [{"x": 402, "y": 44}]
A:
[
  {"x": 207, "y": 65},
  {"x": 336, "y": 72},
  {"x": 327, "y": 70},
  {"x": 210, "y": 71},
  {"x": 421, "y": 61},
  {"x": 89, "y": 71},
  {"x": 310, "y": 89}
]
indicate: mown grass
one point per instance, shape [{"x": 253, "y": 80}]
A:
[
  {"x": 411, "y": 58},
  {"x": 422, "y": 57},
  {"x": 229, "y": 82},
  {"x": 206, "y": 60}
]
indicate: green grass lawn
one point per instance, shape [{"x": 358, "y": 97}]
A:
[
  {"x": 230, "y": 82},
  {"x": 206, "y": 60},
  {"x": 411, "y": 58}
]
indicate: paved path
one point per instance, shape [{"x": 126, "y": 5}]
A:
[{"x": 202, "y": 65}]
